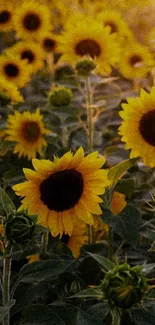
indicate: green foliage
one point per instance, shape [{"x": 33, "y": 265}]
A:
[
  {"x": 116, "y": 172},
  {"x": 6, "y": 203}
]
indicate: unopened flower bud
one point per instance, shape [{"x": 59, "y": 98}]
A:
[
  {"x": 85, "y": 66},
  {"x": 60, "y": 96}
]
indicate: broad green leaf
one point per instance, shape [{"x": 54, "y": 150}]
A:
[
  {"x": 126, "y": 186},
  {"x": 127, "y": 224},
  {"x": 116, "y": 172},
  {"x": 42, "y": 270},
  {"x": 145, "y": 316},
  {"x": 5, "y": 309},
  {"x": 86, "y": 319},
  {"x": 6, "y": 202},
  {"x": 107, "y": 265},
  {"x": 40, "y": 315},
  {"x": 90, "y": 292}
]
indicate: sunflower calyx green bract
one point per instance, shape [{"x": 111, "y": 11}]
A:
[
  {"x": 60, "y": 96},
  {"x": 20, "y": 228},
  {"x": 85, "y": 66},
  {"x": 124, "y": 286}
]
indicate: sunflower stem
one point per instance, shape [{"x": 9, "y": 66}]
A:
[
  {"x": 6, "y": 285},
  {"x": 90, "y": 129},
  {"x": 45, "y": 242}
]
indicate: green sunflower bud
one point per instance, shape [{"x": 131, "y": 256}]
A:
[
  {"x": 85, "y": 66},
  {"x": 124, "y": 286},
  {"x": 4, "y": 99},
  {"x": 20, "y": 228},
  {"x": 60, "y": 96}
]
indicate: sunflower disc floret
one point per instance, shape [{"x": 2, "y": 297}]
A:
[{"x": 124, "y": 286}]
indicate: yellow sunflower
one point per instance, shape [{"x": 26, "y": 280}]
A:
[
  {"x": 6, "y": 16},
  {"x": 77, "y": 238},
  {"x": 32, "y": 20},
  {"x": 27, "y": 130},
  {"x": 63, "y": 190},
  {"x": 31, "y": 52},
  {"x": 48, "y": 42},
  {"x": 14, "y": 70},
  {"x": 9, "y": 91},
  {"x": 136, "y": 61},
  {"x": 137, "y": 129},
  {"x": 118, "y": 202},
  {"x": 89, "y": 38}
]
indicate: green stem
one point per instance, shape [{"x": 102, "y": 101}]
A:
[
  {"x": 6, "y": 286},
  {"x": 45, "y": 242},
  {"x": 110, "y": 244},
  {"x": 116, "y": 319},
  {"x": 90, "y": 133}
]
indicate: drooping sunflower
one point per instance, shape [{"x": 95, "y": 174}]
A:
[
  {"x": 89, "y": 38},
  {"x": 48, "y": 42},
  {"x": 31, "y": 52},
  {"x": 32, "y": 20},
  {"x": 9, "y": 91},
  {"x": 6, "y": 16},
  {"x": 77, "y": 238},
  {"x": 136, "y": 61},
  {"x": 14, "y": 70},
  {"x": 63, "y": 190},
  {"x": 137, "y": 129},
  {"x": 27, "y": 130}
]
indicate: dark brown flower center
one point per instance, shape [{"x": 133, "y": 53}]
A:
[
  {"x": 62, "y": 190},
  {"x": 88, "y": 47},
  {"x": 49, "y": 44},
  {"x": 135, "y": 59},
  {"x": 29, "y": 55},
  {"x": 112, "y": 26},
  {"x": 31, "y": 22},
  {"x": 147, "y": 127},
  {"x": 11, "y": 69},
  {"x": 65, "y": 239},
  {"x": 31, "y": 131},
  {"x": 5, "y": 16}
]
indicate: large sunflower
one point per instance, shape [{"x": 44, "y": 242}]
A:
[
  {"x": 77, "y": 238},
  {"x": 136, "y": 61},
  {"x": 89, "y": 38},
  {"x": 27, "y": 130},
  {"x": 63, "y": 190},
  {"x": 6, "y": 14},
  {"x": 138, "y": 127},
  {"x": 31, "y": 52},
  {"x": 14, "y": 70},
  {"x": 9, "y": 92},
  {"x": 32, "y": 20}
]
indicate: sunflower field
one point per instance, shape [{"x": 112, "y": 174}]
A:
[{"x": 77, "y": 158}]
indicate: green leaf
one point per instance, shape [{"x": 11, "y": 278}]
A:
[
  {"x": 40, "y": 315},
  {"x": 107, "y": 265},
  {"x": 5, "y": 309},
  {"x": 126, "y": 186},
  {"x": 145, "y": 316},
  {"x": 7, "y": 203},
  {"x": 90, "y": 292},
  {"x": 86, "y": 319},
  {"x": 127, "y": 224},
  {"x": 116, "y": 172},
  {"x": 42, "y": 270}
]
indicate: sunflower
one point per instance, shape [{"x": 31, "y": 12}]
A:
[
  {"x": 27, "y": 130},
  {"x": 6, "y": 16},
  {"x": 14, "y": 70},
  {"x": 137, "y": 129},
  {"x": 48, "y": 42},
  {"x": 118, "y": 202},
  {"x": 31, "y": 52},
  {"x": 114, "y": 20},
  {"x": 89, "y": 38},
  {"x": 32, "y": 20},
  {"x": 63, "y": 190},
  {"x": 77, "y": 238},
  {"x": 136, "y": 61},
  {"x": 9, "y": 91}
]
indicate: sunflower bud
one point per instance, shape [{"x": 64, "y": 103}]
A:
[
  {"x": 84, "y": 67},
  {"x": 20, "y": 228},
  {"x": 60, "y": 96},
  {"x": 124, "y": 286},
  {"x": 4, "y": 99}
]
